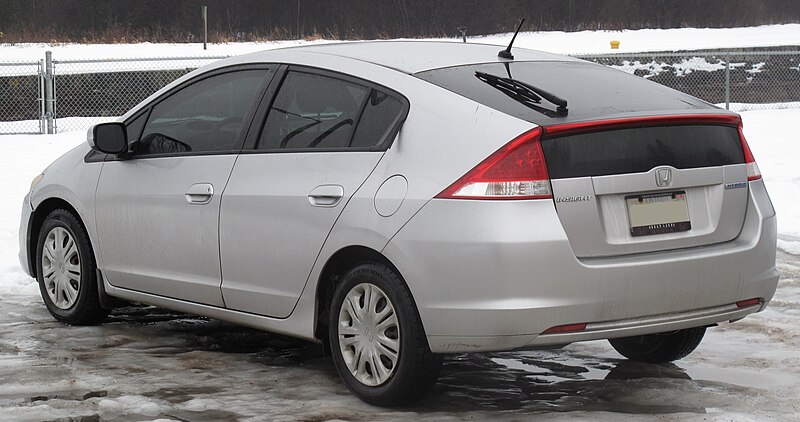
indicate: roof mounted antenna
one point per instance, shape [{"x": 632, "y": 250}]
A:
[{"x": 506, "y": 54}]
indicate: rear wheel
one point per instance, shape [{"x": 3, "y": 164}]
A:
[
  {"x": 377, "y": 340},
  {"x": 65, "y": 269},
  {"x": 659, "y": 348}
]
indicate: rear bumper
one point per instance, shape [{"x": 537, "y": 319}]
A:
[{"x": 493, "y": 275}]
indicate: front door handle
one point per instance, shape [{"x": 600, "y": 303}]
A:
[
  {"x": 200, "y": 193},
  {"x": 326, "y": 196}
]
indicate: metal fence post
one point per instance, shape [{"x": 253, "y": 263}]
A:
[
  {"x": 727, "y": 82},
  {"x": 48, "y": 92},
  {"x": 40, "y": 96}
]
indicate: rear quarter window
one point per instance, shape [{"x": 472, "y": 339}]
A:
[{"x": 381, "y": 114}]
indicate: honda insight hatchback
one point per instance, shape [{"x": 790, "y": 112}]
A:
[{"x": 398, "y": 201}]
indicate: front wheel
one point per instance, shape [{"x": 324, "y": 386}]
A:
[
  {"x": 65, "y": 269},
  {"x": 659, "y": 348},
  {"x": 377, "y": 340}
]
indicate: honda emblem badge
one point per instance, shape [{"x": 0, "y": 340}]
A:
[{"x": 663, "y": 177}]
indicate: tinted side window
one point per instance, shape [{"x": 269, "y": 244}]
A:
[
  {"x": 313, "y": 111},
  {"x": 380, "y": 115},
  {"x": 204, "y": 116}
]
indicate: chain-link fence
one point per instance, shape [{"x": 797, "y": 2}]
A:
[
  {"x": 91, "y": 91},
  {"x": 735, "y": 80},
  {"x": 20, "y": 97},
  {"x": 64, "y": 95}
]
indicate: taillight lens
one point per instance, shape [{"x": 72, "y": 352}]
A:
[
  {"x": 753, "y": 173},
  {"x": 515, "y": 171}
]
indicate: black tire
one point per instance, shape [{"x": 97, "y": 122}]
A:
[
  {"x": 659, "y": 348},
  {"x": 86, "y": 309},
  {"x": 416, "y": 370}
]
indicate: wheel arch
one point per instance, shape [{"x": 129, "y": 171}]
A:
[
  {"x": 37, "y": 220},
  {"x": 335, "y": 267}
]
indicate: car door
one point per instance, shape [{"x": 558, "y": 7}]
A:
[
  {"x": 158, "y": 209},
  {"x": 323, "y": 135}
]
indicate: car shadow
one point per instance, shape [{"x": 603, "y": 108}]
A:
[
  {"x": 528, "y": 381},
  {"x": 548, "y": 381}
]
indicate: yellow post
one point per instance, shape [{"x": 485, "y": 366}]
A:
[{"x": 615, "y": 45}]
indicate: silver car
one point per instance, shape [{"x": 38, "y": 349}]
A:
[{"x": 398, "y": 201}]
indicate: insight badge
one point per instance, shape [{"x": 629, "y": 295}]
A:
[
  {"x": 737, "y": 185},
  {"x": 574, "y": 198}
]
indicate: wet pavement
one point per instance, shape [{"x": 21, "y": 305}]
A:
[{"x": 147, "y": 364}]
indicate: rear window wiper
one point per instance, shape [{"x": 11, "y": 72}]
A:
[{"x": 525, "y": 93}]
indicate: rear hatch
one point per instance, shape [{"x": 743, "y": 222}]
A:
[
  {"x": 634, "y": 166},
  {"x": 643, "y": 185}
]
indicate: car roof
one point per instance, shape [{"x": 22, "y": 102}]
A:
[{"x": 414, "y": 56}]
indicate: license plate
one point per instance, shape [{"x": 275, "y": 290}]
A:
[{"x": 658, "y": 213}]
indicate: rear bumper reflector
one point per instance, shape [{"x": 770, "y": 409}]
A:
[
  {"x": 748, "y": 303},
  {"x": 568, "y": 328}
]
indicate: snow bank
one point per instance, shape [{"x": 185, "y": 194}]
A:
[
  {"x": 772, "y": 135},
  {"x": 25, "y": 156},
  {"x": 740, "y": 107},
  {"x": 585, "y": 42}
]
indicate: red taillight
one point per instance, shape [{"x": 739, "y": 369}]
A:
[
  {"x": 568, "y": 328},
  {"x": 515, "y": 171},
  {"x": 753, "y": 172},
  {"x": 644, "y": 121}
]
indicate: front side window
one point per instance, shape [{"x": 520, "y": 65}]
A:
[
  {"x": 313, "y": 111},
  {"x": 204, "y": 116}
]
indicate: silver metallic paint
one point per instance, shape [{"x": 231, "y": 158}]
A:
[
  {"x": 599, "y": 226},
  {"x": 270, "y": 234},
  {"x": 154, "y": 240},
  {"x": 506, "y": 268}
]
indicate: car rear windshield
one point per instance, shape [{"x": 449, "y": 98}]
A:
[
  {"x": 591, "y": 90},
  {"x": 636, "y": 150}
]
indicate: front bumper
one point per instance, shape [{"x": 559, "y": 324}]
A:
[
  {"x": 24, "y": 229},
  {"x": 493, "y": 275}
]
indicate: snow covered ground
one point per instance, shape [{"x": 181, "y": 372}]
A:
[{"x": 585, "y": 42}]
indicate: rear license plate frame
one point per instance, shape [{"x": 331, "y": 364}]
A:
[{"x": 658, "y": 213}]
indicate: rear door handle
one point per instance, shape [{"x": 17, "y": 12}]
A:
[
  {"x": 326, "y": 196},
  {"x": 200, "y": 193}
]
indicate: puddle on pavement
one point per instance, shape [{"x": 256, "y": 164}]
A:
[
  {"x": 181, "y": 394},
  {"x": 550, "y": 382}
]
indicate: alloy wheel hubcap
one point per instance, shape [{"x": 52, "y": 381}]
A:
[
  {"x": 369, "y": 335},
  {"x": 61, "y": 268}
]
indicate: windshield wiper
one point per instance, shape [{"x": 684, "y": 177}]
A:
[{"x": 525, "y": 93}]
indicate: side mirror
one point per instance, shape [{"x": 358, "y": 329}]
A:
[{"x": 109, "y": 138}]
